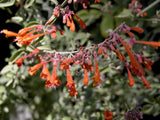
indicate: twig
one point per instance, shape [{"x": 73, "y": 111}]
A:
[{"x": 150, "y": 6}]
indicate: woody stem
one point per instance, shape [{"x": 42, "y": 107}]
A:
[{"x": 151, "y": 5}]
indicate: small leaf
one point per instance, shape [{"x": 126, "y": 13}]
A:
[
  {"x": 16, "y": 55},
  {"x": 107, "y": 25},
  {"x": 32, "y": 23},
  {"x": 44, "y": 47},
  {"x": 55, "y": 2},
  {"x": 2, "y": 89},
  {"x": 17, "y": 19},
  {"x": 89, "y": 17},
  {"x": 29, "y": 3},
  {"x": 7, "y": 4},
  {"x": 6, "y": 69},
  {"x": 105, "y": 69},
  {"x": 96, "y": 6},
  {"x": 125, "y": 13}
]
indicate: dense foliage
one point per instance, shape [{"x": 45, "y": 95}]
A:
[{"x": 102, "y": 56}]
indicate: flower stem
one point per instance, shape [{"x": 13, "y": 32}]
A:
[
  {"x": 150, "y": 6},
  {"x": 64, "y": 3}
]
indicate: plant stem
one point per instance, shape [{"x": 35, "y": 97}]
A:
[
  {"x": 150, "y": 6},
  {"x": 64, "y": 3}
]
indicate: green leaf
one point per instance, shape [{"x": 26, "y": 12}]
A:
[
  {"x": 105, "y": 69},
  {"x": 16, "y": 55},
  {"x": 106, "y": 25},
  {"x": 7, "y": 4},
  {"x": 16, "y": 19},
  {"x": 55, "y": 2},
  {"x": 89, "y": 17},
  {"x": 29, "y": 3},
  {"x": 2, "y": 89},
  {"x": 32, "y": 23},
  {"x": 125, "y": 13},
  {"x": 6, "y": 69},
  {"x": 44, "y": 47},
  {"x": 96, "y": 6}
]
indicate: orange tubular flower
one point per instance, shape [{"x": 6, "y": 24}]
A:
[
  {"x": 54, "y": 78},
  {"x": 24, "y": 36},
  {"x": 45, "y": 72},
  {"x": 96, "y": 76},
  {"x": 64, "y": 64},
  {"x": 100, "y": 51},
  {"x": 130, "y": 34},
  {"x": 20, "y": 60},
  {"x": 87, "y": 66},
  {"x": 153, "y": 44},
  {"x": 27, "y": 40},
  {"x": 70, "y": 84},
  {"x": 72, "y": 25},
  {"x": 9, "y": 33},
  {"x": 136, "y": 66},
  {"x": 53, "y": 33},
  {"x": 34, "y": 69},
  {"x": 85, "y": 80},
  {"x": 35, "y": 51},
  {"x": 82, "y": 24},
  {"x": 137, "y": 29},
  {"x": 145, "y": 82},
  {"x": 131, "y": 80},
  {"x": 23, "y": 31},
  {"x": 108, "y": 115},
  {"x": 120, "y": 55}
]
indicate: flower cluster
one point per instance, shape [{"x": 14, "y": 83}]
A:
[
  {"x": 67, "y": 17},
  {"x": 134, "y": 114},
  {"x": 25, "y": 35},
  {"x": 136, "y": 6},
  {"x": 108, "y": 115},
  {"x": 83, "y": 56}
]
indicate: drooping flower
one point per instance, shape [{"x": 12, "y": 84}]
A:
[
  {"x": 53, "y": 31},
  {"x": 35, "y": 51},
  {"x": 64, "y": 64},
  {"x": 82, "y": 24},
  {"x": 35, "y": 68},
  {"x": 136, "y": 67},
  {"x": 45, "y": 72},
  {"x": 131, "y": 80},
  {"x": 85, "y": 80},
  {"x": 54, "y": 77},
  {"x": 96, "y": 76},
  {"x": 67, "y": 19},
  {"x": 120, "y": 55},
  {"x": 145, "y": 82},
  {"x": 87, "y": 66},
  {"x": 147, "y": 63},
  {"x": 71, "y": 85},
  {"x": 108, "y": 115},
  {"x": 20, "y": 60}
]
